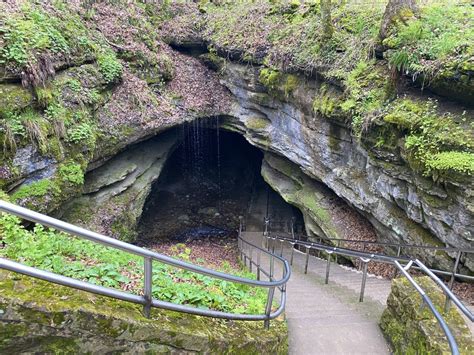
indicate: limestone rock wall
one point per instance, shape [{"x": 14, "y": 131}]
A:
[
  {"x": 115, "y": 193},
  {"x": 403, "y": 206},
  {"x": 412, "y": 329}
]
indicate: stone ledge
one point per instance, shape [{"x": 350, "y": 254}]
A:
[
  {"x": 36, "y": 316},
  {"x": 414, "y": 330}
]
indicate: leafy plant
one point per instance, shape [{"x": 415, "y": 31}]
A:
[
  {"x": 57, "y": 252},
  {"x": 29, "y": 32},
  {"x": 81, "y": 132},
  {"x": 72, "y": 172},
  {"x": 109, "y": 66}
]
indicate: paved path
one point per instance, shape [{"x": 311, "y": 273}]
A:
[{"x": 329, "y": 319}]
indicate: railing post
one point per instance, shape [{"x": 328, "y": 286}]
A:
[
  {"x": 292, "y": 227},
  {"x": 265, "y": 231},
  {"x": 292, "y": 253},
  {"x": 281, "y": 247},
  {"x": 451, "y": 281},
  {"x": 250, "y": 259},
  {"x": 273, "y": 245},
  {"x": 147, "y": 286},
  {"x": 364, "y": 279},
  {"x": 268, "y": 307},
  {"x": 328, "y": 265},
  {"x": 272, "y": 262},
  {"x": 258, "y": 264},
  {"x": 306, "y": 261}
]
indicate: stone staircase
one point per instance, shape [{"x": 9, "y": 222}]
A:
[{"x": 329, "y": 319}]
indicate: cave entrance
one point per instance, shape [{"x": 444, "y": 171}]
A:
[{"x": 211, "y": 179}]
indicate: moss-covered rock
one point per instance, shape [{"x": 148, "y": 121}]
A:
[
  {"x": 36, "y": 316},
  {"x": 413, "y": 329},
  {"x": 279, "y": 83},
  {"x": 308, "y": 195},
  {"x": 14, "y": 97}
]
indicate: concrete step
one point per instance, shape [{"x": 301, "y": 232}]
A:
[{"x": 329, "y": 319}]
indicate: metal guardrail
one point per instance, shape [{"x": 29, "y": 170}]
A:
[
  {"x": 148, "y": 256},
  {"x": 365, "y": 258},
  {"x": 399, "y": 247}
]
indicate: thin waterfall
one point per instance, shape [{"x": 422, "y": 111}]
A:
[{"x": 218, "y": 161}]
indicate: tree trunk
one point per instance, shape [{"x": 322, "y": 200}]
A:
[
  {"x": 396, "y": 9},
  {"x": 326, "y": 19}
]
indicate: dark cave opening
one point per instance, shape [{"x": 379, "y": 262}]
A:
[{"x": 211, "y": 179}]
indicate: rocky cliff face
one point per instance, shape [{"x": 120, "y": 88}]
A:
[
  {"x": 84, "y": 102},
  {"x": 403, "y": 206},
  {"x": 114, "y": 194}
]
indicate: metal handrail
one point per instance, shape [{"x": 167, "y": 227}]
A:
[
  {"x": 426, "y": 300},
  {"x": 453, "y": 274},
  {"x": 365, "y": 258},
  {"x": 414, "y": 246},
  {"x": 146, "y": 300}
]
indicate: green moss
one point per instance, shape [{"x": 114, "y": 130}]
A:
[
  {"x": 36, "y": 189},
  {"x": 445, "y": 162},
  {"x": 278, "y": 82},
  {"x": 257, "y": 123},
  {"x": 413, "y": 329},
  {"x": 438, "y": 145},
  {"x": 89, "y": 321},
  {"x": 213, "y": 61},
  {"x": 270, "y": 78},
  {"x": 328, "y": 103},
  {"x": 13, "y": 98}
]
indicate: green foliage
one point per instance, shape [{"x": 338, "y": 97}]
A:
[
  {"x": 75, "y": 85},
  {"x": 81, "y": 132},
  {"x": 436, "y": 143},
  {"x": 270, "y": 78},
  {"x": 461, "y": 162},
  {"x": 109, "y": 66},
  {"x": 425, "y": 43},
  {"x": 13, "y": 121},
  {"x": 55, "y": 111},
  {"x": 29, "y": 32},
  {"x": 36, "y": 189},
  {"x": 277, "y": 81},
  {"x": 71, "y": 172},
  {"x": 93, "y": 97},
  {"x": 53, "y": 251}
]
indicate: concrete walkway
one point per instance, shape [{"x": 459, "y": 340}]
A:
[{"x": 329, "y": 319}]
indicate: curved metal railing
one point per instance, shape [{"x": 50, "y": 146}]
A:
[
  {"x": 148, "y": 256},
  {"x": 366, "y": 257}
]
